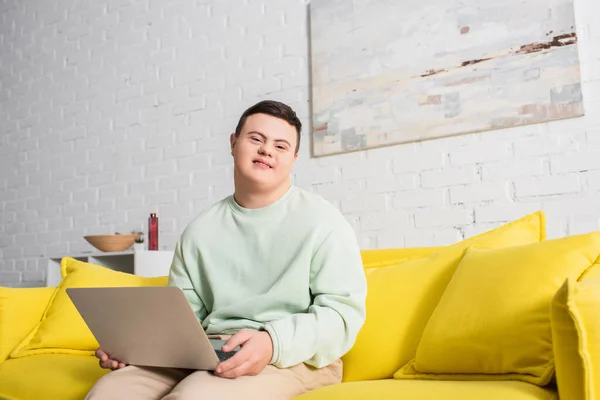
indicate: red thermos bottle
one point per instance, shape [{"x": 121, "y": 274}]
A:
[{"x": 153, "y": 232}]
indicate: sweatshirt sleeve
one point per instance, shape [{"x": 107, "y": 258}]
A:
[
  {"x": 331, "y": 324},
  {"x": 179, "y": 276}
]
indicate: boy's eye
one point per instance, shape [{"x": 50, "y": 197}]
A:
[
  {"x": 281, "y": 147},
  {"x": 255, "y": 139}
]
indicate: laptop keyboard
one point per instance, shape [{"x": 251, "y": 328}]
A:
[{"x": 224, "y": 355}]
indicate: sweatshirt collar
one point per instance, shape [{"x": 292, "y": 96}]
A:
[{"x": 263, "y": 211}]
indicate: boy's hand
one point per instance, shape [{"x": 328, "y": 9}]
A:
[
  {"x": 106, "y": 362},
  {"x": 255, "y": 354}
]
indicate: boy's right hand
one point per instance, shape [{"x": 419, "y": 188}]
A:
[{"x": 106, "y": 362}]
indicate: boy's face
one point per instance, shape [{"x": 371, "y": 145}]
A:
[{"x": 265, "y": 151}]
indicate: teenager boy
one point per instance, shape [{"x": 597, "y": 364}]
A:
[{"x": 272, "y": 268}]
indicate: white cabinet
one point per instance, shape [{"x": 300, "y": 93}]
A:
[{"x": 142, "y": 263}]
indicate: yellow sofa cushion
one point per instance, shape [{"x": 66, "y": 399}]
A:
[
  {"x": 20, "y": 310},
  {"x": 401, "y": 298},
  {"x": 49, "y": 377},
  {"x": 575, "y": 317},
  {"x": 389, "y": 389},
  {"x": 376, "y": 258},
  {"x": 61, "y": 329},
  {"x": 493, "y": 320}
]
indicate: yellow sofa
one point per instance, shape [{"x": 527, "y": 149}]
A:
[{"x": 507, "y": 314}]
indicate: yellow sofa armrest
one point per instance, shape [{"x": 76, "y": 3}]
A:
[
  {"x": 20, "y": 310},
  {"x": 576, "y": 338}
]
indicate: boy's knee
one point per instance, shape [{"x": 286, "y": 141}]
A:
[
  {"x": 136, "y": 383},
  {"x": 112, "y": 385},
  {"x": 99, "y": 389},
  {"x": 102, "y": 388}
]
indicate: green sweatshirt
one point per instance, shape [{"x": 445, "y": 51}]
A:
[{"x": 292, "y": 268}]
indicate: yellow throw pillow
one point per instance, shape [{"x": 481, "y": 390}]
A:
[
  {"x": 401, "y": 298},
  {"x": 575, "y": 317},
  {"x": 493, "y": 320},
  {"x": 20, "y": 310},
  {"x": 592, "y": 272},
  {"x": 61, "y": 329}
]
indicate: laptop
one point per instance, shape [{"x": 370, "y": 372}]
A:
[{"x": 148, "y": 326}]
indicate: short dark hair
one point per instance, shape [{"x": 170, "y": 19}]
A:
[{"x": 275, "y": 109}]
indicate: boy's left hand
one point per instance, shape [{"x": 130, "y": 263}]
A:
[{"x": 255, "y": 354}]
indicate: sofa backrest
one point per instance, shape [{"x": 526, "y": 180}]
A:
[{"x": 377, "y": 258}]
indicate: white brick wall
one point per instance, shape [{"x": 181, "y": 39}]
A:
[{"x": 110, "y": 110}]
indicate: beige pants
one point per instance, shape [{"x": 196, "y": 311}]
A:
[{"x": 148, "y": 383}]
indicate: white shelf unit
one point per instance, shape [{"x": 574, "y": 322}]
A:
[{"x": 143, "y": 263}]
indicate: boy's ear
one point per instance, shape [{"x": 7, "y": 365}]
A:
[{"x": 232, "y": 140}]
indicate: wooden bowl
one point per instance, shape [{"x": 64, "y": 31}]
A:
[{"x": 111, "y": 243}]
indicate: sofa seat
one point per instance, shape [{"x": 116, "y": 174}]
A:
[
  {"x": 48, "y": 377},
  {"x": 391, "y": 389}
]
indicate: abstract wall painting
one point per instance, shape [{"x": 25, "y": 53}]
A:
[{"x": 386, "y": 72}]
